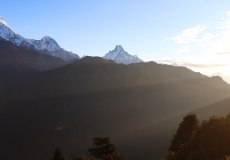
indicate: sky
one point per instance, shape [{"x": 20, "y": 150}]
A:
[{"x": 192, "y": 33}]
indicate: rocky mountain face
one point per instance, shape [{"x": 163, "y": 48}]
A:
[
  {"x": 119, "y": 55},
  {"x": 46, "y": 45},
  {"x": 49, "y": 46}
]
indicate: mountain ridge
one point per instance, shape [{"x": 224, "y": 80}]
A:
[
  {"x": 91, "y": 97},
  {"x": 11, "y": 55},
  {"x": 49, "y": 46},
  {"x": 46, "y": 45},
  {"x": 131, "y": 104}
]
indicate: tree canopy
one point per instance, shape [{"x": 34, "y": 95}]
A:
[
  {"x": 57, "y": 155},
  {"x": 208, "y": 141}
]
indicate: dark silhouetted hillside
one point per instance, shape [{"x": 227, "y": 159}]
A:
[
  {"x": 136, "y": 105},
  {"x": 11, "y": 55}
]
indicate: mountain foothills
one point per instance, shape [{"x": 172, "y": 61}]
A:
[
  {"x": 11, "y": 54},
  {"x": 47, "y": 101},
  {"x": 137, "y": 105}
]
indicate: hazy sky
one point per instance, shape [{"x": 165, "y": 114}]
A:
[{"x": 193, "y": 33}]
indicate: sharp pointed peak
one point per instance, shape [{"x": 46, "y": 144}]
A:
[
  {"x": 119, "y": 55},
  {"x": 46, "y": 38},
  {"x": 119, "y": 47}
]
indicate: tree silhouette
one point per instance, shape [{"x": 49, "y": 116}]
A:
[
  {"x": 83, "y": 157},
  {"x": 103, "y": 149},
  {"x": 57, "y": 155},
  {"x": 211, "y": 141},
  {"x": 184, "y": 133}
]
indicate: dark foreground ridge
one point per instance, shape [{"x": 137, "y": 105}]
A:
[{"x": 136, "y": 105}]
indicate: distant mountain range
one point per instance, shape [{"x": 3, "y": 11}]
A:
[
  {"x": 46, "y": 45},
  {"x": 50, "y": 98},
  {"x": 49, "y": 46}
]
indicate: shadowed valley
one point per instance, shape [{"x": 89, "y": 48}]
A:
[{"x": 138, "y": 105}]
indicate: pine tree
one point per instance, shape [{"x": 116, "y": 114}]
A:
[
  {"x": 103, "y": 148},
  {"x": 185, "y": 131},
  {"x": 57, "y": 155}
]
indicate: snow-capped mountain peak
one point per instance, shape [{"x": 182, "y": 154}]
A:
[
  {"x": 46, "y": 45},
  {"x": 119, "y": 48},
  {"x": 2, "y": 21},
  {"x": 119, "y": 55},
  {"x": 47, "y": 38},
  {"x": 50, "y": 43},
  {"x": 7, "y": 33}
]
